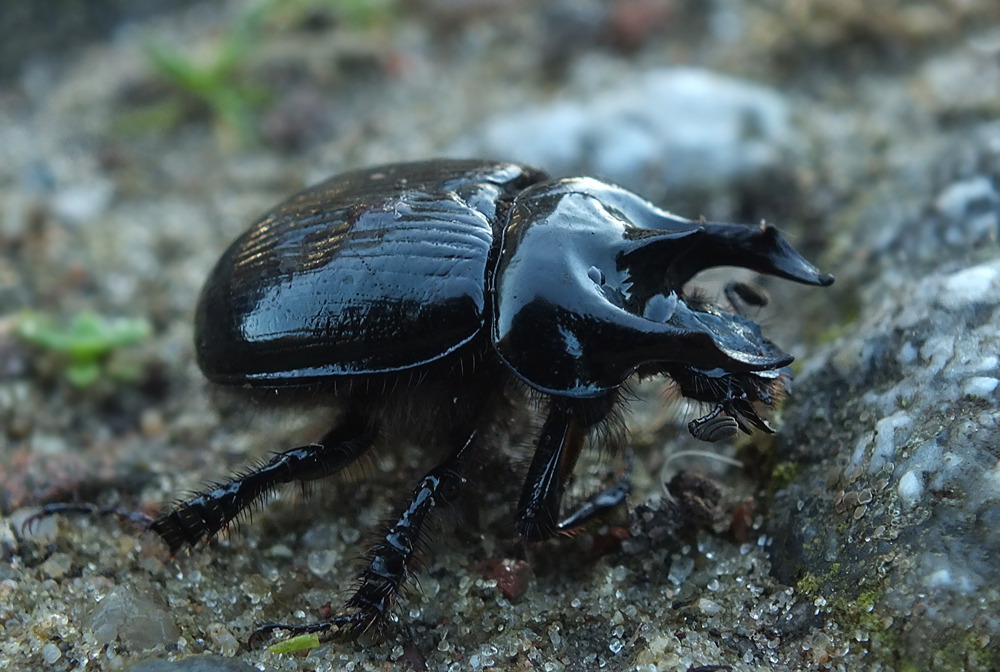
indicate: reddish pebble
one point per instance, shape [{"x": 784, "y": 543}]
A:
[
  {"x": 635, "y": 21},
  {"x": 512, "y": 576}
]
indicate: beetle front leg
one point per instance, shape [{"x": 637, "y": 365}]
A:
[
  {"x": 203, "y": 516},
  {"x": 559, "y": 446},
  {"x": 388, "y": 565},
  {"x": 538, "y": 508},
  {"x": 717, "y": 425},
  {"x": 601, "y": 502}
]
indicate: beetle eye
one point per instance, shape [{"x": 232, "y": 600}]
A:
[{"x": 596, "y": 274}]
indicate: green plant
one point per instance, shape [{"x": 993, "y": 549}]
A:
[
  {"x": 218, "y": 83},
  {"x": 85, "y": 343},
  {"x": 221, "y": 83}
]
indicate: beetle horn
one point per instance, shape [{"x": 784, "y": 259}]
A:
[
  {"x": 759, "y": 248},
  {"x": 645, "y": 248},
  {"x": 649, "y": 254}
]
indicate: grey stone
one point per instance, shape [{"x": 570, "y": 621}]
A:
[
  {"x": 892, "y": 519},
  {"x": 668, "y": 128},
  {"x": 134, "y": 614}
]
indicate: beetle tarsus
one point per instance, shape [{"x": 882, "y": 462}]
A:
[{"x": 80, "y": 508}]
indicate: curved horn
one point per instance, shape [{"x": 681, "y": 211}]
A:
[{"x": 759, "y": 248}]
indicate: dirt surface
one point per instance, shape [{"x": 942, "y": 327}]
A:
[{"x": 120, "y": 185}]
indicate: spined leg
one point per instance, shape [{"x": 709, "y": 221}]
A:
[
  {"x": 379, "y": 583},
  {"x": 601, "y": 502},
  {"x": 559, "y": 445},
  {"x": 205, "y": 515}
]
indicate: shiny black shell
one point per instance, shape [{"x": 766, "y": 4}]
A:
[
  {"x": 370, "y": 272},
  {"x": 572, "y": 285}
]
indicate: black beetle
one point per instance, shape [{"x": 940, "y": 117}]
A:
[{"x": 425, "y": 294}]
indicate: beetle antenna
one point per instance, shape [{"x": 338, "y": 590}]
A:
[
  {"x": 708, "y": 455},
  {"x": 666, "y": 473}
]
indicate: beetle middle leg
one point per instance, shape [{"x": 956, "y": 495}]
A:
[
  {"x": 388, "y": 565},
  {"x": 559, "y": 445},
  {"x": 208, "y": 513}
]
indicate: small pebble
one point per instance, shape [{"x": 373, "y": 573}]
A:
[
  {"x": 709, "y": 607},
  {"x": 57, "y": 565},
  {"x": 51, "y": 653},
  {"x": 136, "y": 616}
]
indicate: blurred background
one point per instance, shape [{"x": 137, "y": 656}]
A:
[{"x": 138, "y": 138}]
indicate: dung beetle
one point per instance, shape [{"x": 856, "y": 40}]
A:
[{"x": 425, "y": 296}]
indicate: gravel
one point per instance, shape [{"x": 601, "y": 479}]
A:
[{"x": 862, "y": 537}]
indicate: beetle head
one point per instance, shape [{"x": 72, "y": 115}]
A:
[{"x": 588, "y": 288}]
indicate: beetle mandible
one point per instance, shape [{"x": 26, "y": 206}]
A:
[{"x": 443, "y": 285}]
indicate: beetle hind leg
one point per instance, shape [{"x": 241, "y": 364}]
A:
[
  {"x": 206, "y": 514},
  {"x": 368, "y": 610}
]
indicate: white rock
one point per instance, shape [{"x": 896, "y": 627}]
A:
[
  {"x": 971, "y": 285},
  {"x": 955, "y": 200},
  {"x": 669, "y": 126},
  {"x": 910, "y": 488},
  {"x": 980, "y": 386},
  {"x": 83, "y": 202}
]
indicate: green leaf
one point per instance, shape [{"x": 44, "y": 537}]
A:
[
  {"x": 85, "y": 343},
  {"x": 293, "y": 644},
  {"x": 83, "y": 375}
]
